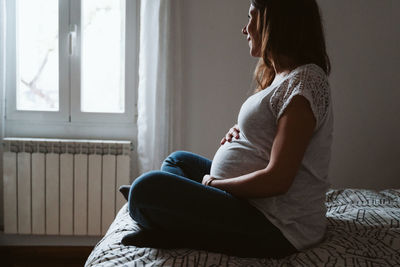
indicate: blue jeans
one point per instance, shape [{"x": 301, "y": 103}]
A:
[{"x": 174, "y": 199}]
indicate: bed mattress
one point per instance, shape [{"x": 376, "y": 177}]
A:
[{"x": 363, "y": 230}]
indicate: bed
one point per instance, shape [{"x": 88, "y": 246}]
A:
[{"x": 363, "y": 230}]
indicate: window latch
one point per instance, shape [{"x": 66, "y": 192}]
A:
[{"x": 73, "y": 29}]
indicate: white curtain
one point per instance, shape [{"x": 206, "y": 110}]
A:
[
  {"x": 2, "y": 63},
  {"x": 2, "y": 94},
  {"x": 159, "y": 82}
]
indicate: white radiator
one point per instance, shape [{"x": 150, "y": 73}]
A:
[{"x": 63, "y": 187}]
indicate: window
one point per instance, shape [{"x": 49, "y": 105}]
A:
[{"x": 71, "y": 68}]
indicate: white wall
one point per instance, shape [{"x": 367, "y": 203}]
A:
[
  {"x": 363, "y": 38},
  {"x": 217, "y": 70},
  {"x": 364, "y": 42}
]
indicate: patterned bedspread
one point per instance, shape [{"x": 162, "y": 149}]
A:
[{"x": 363, "y": 230}]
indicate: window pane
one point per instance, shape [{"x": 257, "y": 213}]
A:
[
  {"x": 37, "y": 55},
  {"x": 103, "y": 53}
]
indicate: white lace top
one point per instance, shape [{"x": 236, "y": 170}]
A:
[{"x": 300, "y": 213}]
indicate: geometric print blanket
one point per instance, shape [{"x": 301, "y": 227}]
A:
[{"x": 363, "y": 230}]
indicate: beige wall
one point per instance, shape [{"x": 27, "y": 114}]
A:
[{"x": 363, "y": 38}]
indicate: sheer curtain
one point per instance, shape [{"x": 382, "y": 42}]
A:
[
  {"x": 2, "y": 94},
  {"x": 159, "y": 93}
]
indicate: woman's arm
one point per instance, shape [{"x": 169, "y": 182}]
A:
[{"x": 294, "y": 131}]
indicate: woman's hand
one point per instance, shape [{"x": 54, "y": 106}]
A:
[
  {"x": 207, "y": 179},
  {"x": 233, "y": 132}
]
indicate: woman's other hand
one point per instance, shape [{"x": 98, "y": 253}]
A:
[
  {"x": 207, "y": 179},
  {"x": 233, "y": 132}
]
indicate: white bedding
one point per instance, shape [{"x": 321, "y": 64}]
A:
[{"x": 363, "y": 230}]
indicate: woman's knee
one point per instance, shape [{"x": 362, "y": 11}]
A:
[
  {"x": 147, "y": 191},
  {"x": 146, "y": 187},
  {"x": 174, "y": 160},
  {"x": 176, "y": 157}
]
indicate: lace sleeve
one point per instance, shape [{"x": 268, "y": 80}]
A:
[{"x": 309, "y": 82}]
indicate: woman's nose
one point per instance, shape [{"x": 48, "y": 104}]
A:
[{"x": 244, "y": 30}]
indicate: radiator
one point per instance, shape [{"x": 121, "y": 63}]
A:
[{"x": 63, "y": 187}]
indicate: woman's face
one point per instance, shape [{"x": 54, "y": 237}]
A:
[{"x": 253, "y": 36}]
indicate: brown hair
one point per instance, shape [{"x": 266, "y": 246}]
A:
[{"x": 292, "y": 35}]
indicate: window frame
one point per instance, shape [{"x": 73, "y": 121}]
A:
[{"x": 69, "y": 121}]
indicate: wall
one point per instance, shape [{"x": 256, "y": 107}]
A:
[
  {"x": 217, "y": 70},
  {"x": 363, "y": 38},
  {"x": 364, "y": 41}
]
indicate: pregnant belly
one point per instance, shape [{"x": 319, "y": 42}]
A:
[{"x": 235, "y": 159}]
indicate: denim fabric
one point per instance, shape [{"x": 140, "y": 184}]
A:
[{"x": 174, "y": 199}]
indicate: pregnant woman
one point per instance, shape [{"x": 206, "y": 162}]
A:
[{"x": 263, "y": 194}]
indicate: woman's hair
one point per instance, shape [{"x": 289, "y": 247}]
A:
[{"x": 292, "y": 35}]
